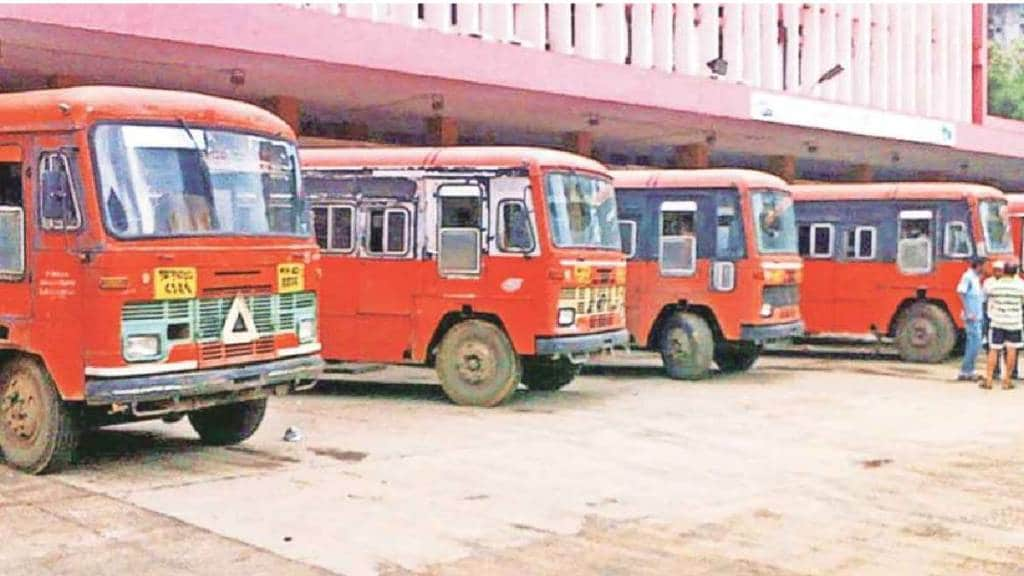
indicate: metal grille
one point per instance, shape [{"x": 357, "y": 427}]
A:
[
  {"x": 214, "y": 311},
  {"x": 166, "y": 310},
  {"x": 270, "y": 312},
  {"x": 219, "y": 351},
  {"x": 779, "y": 296}
]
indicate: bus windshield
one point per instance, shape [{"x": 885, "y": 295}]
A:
[
  {"x": 774, "y": 221},
  {"x": 582, "y": 211},
  {"x": 996, "y": 223},
  {"x": 161, "y": 181}
]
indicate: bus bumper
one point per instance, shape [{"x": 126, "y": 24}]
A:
[
  {"x": 219, "y": 381},
  {"x": 582, "y": 343},
  {"x": 770, "y": 332}
]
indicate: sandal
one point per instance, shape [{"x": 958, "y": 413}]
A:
[
  {"x": 985, "y": 386},
  {"x": 1009, "y": 386}
]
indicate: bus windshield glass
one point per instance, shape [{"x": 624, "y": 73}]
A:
[
  {"x": 774, "y": 221},
  {"x": 582, "y": 211},
  {"x": 161, "y": 181},
  {"x": 996, "y": 223}
]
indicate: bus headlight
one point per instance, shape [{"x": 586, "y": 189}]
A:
[
  {"x": 566, "y": 316},
  {"x": 142, "y": 347},
  {"x": 307, "y": 330},
  {"x": 766, "y": 310}
]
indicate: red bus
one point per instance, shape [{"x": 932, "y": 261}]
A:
[
  {"x": 713, "y": 268},
  {"x": 885, "y": 259},
  {"x": 1015, "y": 205},
  {"x": 495, "y": 265},
  {"x": 156, "y": 260}
]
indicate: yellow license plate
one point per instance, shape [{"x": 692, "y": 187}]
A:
[
  {"x": 178, "y": 283},
  {"x": 291, "y": 277}
]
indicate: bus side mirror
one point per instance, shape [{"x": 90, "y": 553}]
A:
[{"x": 55, "y": 192}]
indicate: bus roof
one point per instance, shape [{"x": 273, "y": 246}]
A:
[
  {"x": 70, "y": 108},
  {"x": 707, "y": 178},
  {"x": 446, "y": 157},
  {"x": 893, "y": 191}
]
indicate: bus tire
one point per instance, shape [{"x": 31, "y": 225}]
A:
[
  {"x": 477, "y": 365},
  {"x": 39, "y": 432},
  {"x": 228, "y": 423},
  {"x": 687, "y": 346},
  {"x": 546, "y": 374},
  {"x": 925, "y": 333},
  {"x": 736, "y": 356}
]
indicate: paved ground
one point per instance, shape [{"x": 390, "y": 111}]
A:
[{"x": 802, "y": 466}]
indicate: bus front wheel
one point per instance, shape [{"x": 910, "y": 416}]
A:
[
  {"x": 228, "y": 423},
  {"x": 544, "y": 373},
  {"x": 38, "y": 431},
  {"x": 925, "y": 333},
  {"x": 736, "y": 356},
  {"x": 477, "y": 365},
  {"x": 687, "y": 346}
]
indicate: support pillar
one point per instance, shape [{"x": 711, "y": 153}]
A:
[
  {"x": 442, "y": 131},
  {"x": 691, "y": 156},
  {"x": 581, "y": 143},
  {"x": 782, "y": 166}
]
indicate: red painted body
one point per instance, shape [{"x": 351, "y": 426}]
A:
[
  {"x": 1015, "y": 207},
  {"x": 865, "y": 297},
  {"x": 58, "y": 310},
  {"x": 650, "y": 293},
  {"x": 395, "y": 310}
]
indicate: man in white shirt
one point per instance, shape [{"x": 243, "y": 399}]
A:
[{"x": 1005, "y": 298}]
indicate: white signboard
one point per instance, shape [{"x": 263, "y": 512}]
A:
[{"x": 811, "y": 113}]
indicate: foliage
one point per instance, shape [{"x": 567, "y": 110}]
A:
[{"x": 1006, "y": 79}]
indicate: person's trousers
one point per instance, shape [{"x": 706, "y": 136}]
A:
[{"x": 972, "y": 346}]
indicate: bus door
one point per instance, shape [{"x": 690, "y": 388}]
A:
[
  {"x": 817, "y": 239},
  {"x": 460, "y": 217},
  {"x": 915, "y": 244},
  {"x": 14, "y": 278}
]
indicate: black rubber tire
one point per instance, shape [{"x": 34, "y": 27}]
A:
[
  {"x": 228, "y": 423},
  {"x": 545, "y": 373},
  {"x": 736, "y": 356},
  {"x": 925, "y": 333},
  {"x": 39, "y": 432},
  {"x": 687, "y": 346},
  {"x": 477, "y": 365}
]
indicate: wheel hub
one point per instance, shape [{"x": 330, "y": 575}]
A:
[
  {"x": 679, "y": 344},
  {"x": 476, "y": 363},
  {"x": 921, "y": 333},
  {"x": 20, "y": 410}
]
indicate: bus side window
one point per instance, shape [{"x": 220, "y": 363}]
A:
[
  {"x": 860, "y": 243},
  {"x": 627, "y": 232},
  {"x": 55, "y": 177},
  {"x": 12, "y": 217},
  {"x": 334, "y": 229},
  {"x": 678, "y": 243},
  {"x": 515, "y": 233},
  {"x": 818, "y": 240},
  {"x": 957, "y": 240},
  {"x": 388, "y": 231},
  {"x": 804, "y": 240},
  {"x": 729, "y": 238},
  {"x": 914, "y": 249},
  {"x": 459, "y": 234}
]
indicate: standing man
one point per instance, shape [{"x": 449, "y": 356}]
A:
[
  {"x": 1005, "y": 297},
  {"x": 972, "y": 298}
]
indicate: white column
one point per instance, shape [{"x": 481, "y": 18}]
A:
[
  {"x": 707, "y": 37},
  {"x": 732, "y": 39},
  {"x": 791, "y": 20},
  {"x": 752, "y": 45},
  {"x": 896, "y": 71},
  {"x": 909, "y": 47},
  {"x": 613, "y": 33},
  {"x": 587, "y": 28},
  {"x": 642, "y": 49},
  {"x": 438, "y": 15},
  {"x": 829, "y": 57},
  {"x": 880, "y": 56},
  {"x": 404, "y": 14},
  {"x": 844, "y": 39},
  {"x": 531, "y": 25},
  {"x": 967, "y": 86},
  {"x": 924, "y": 60},
  {"x": 662, "y": 37},
  {"x": 862, "y": 81},
  {"x": 364, "y": 10},
  {"x": 496, "y": 21},
  {"x": 685, "y": 42},
  {"x": 560, "y": 27},
  {"x": 956, "y": 52},
  {"x": 771, "y": 51},
  {"x": 810, "y": 68},
  {"x": 468, "y": 14},
  {"x": 943, "y": 100}
]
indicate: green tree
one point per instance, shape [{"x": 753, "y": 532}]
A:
[{"x": 1006, "y": 80}]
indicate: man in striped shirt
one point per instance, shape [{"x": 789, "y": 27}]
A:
[{"x": 1005, "y": 297}]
